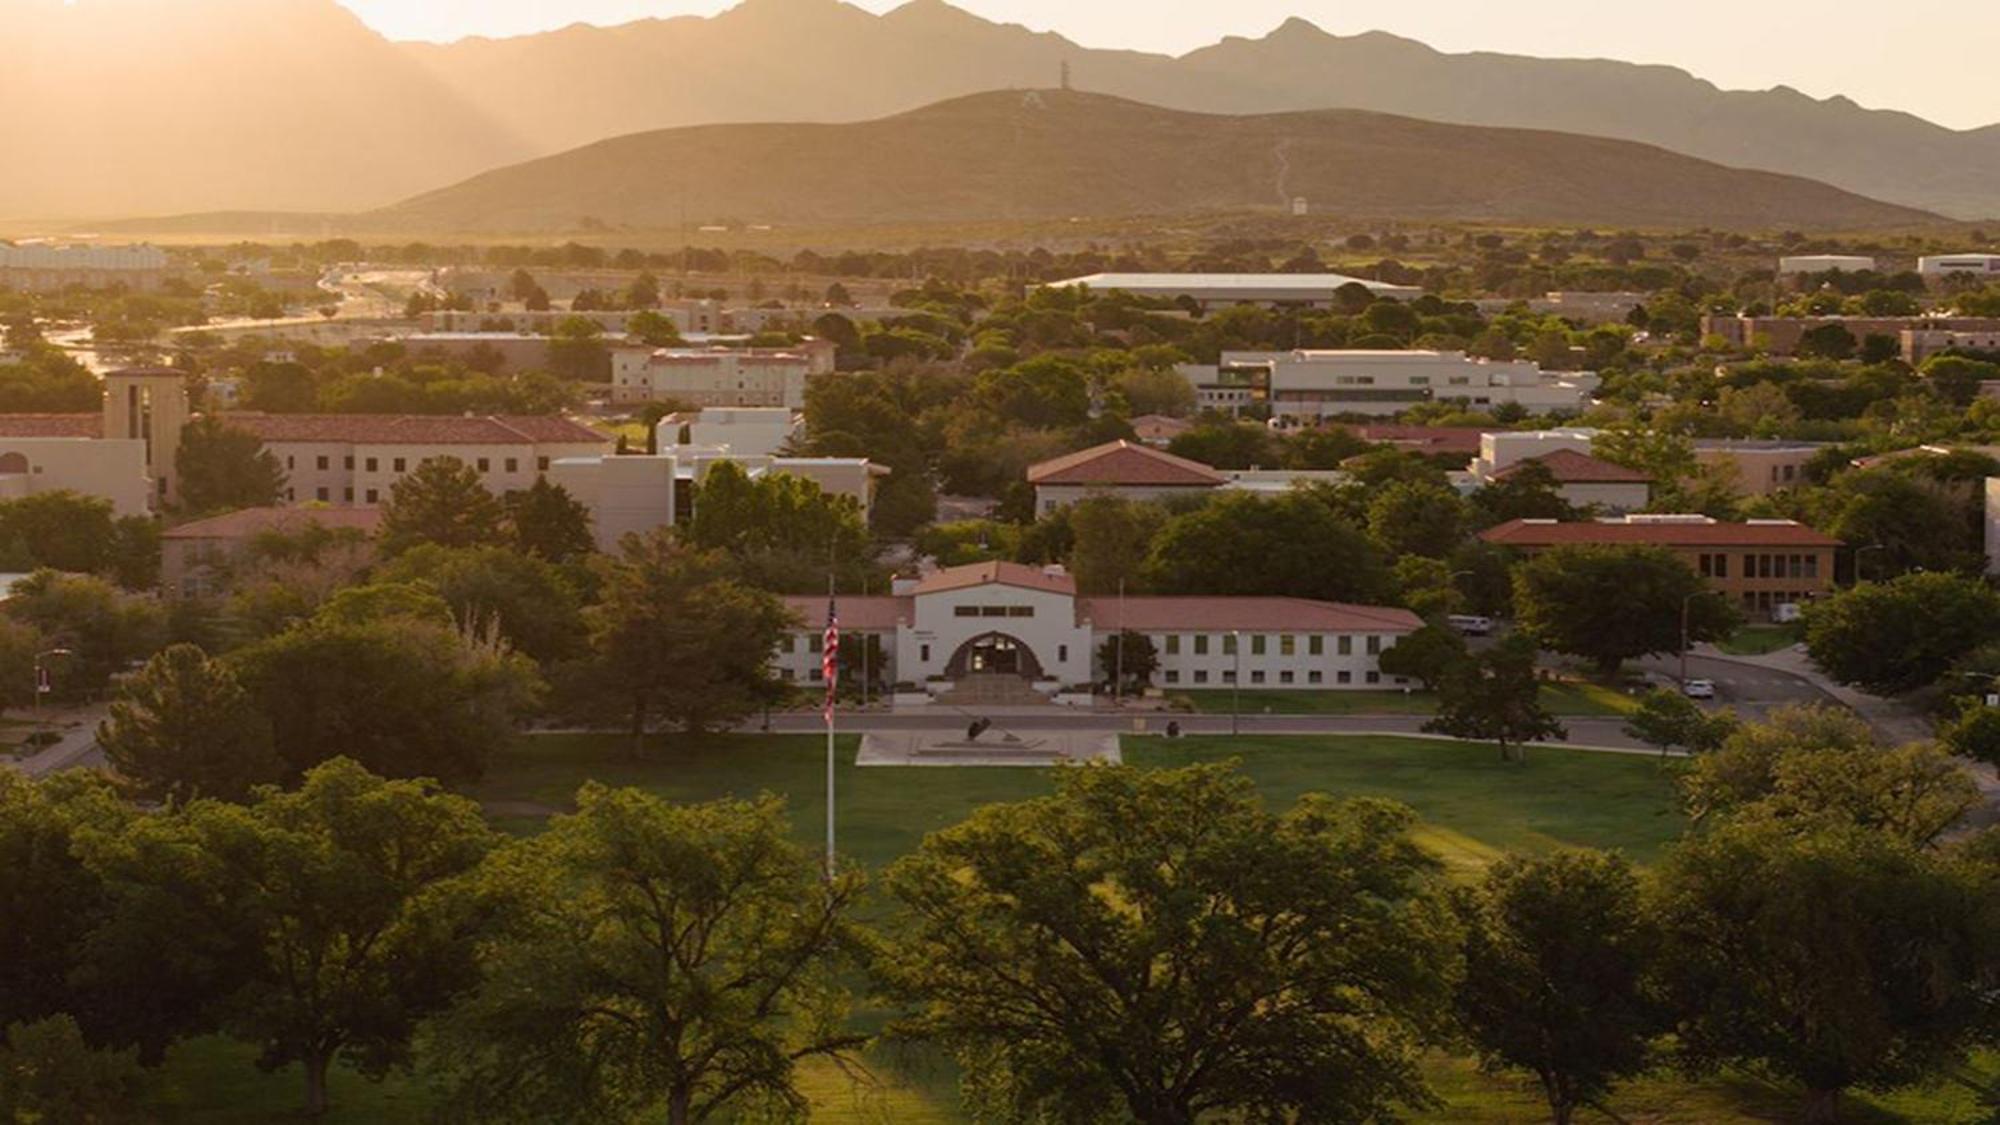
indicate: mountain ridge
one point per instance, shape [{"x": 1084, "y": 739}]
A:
[{"x": 1052, "y": 154}]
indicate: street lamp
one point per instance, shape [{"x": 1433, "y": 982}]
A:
[
  {"x": 1236, "y": 682},
  {"x": 1686, "y": 603},
  {"x": 41, "y": 688}
]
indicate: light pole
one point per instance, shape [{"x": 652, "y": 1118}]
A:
[
  {"x": 40, "y": 688},
  {"x": 1860, "y": 551},
  {"x": 1118, "y": 660},
  {"x": 1685, "y": 604},
  {"x": 1236, "y": 683}
]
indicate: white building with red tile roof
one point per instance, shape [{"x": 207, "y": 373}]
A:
[
  {"x": 195, "y": 556},
  {"x": 1124, "y": 469},
  {"x": 1007, "y": 619}
]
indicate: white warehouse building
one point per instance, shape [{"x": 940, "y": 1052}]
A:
[
  {"x": 1306, "y": 386},
  {"x": 1944, "y": 265},
  {"x": 1824, "y": 263},
  {"x": 1223, "y": 290},
  {"x": 1006, "y": 620}
]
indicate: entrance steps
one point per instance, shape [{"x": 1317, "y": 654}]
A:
[{"x": 985, "y": 690}]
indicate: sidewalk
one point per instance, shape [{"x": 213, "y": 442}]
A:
[{"x": 79, "y": 739}]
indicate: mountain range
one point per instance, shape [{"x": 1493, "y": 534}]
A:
[
  {"x": 1054, "y": 154},
  {"x": 141, "y": 107}
]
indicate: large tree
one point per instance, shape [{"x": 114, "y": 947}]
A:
[
  {"x": 784, "y": 531},
  {"x": 102, "y": 628},
  {"x": 1609, "y": 604},
  {"x": 60, "y": 530},
  {"x": 1835, "y": 957},
  {"x": 185, "y": 728},
  {"x": 1495, "y": 696},
  {"x": 1668, "y": 719},
  {"x": 548, "y": 523},
  {"x": 1416, "y": 518},
  {"x": 677, "y": 636},
  {"x": 347, "y": 901},
  {"x": 1158, "y": 947},
  {"x": 405, "y": 698},
  {"x": 222, "y": 467},
  {"x": 1896, "y": 636},
  {"x": 653, "y": 957},
  {"x": 534, "y": 604},
  {"x": 1555, "y": 954},
  {"x": 1111, "y": 540},
  {"x": 1289, "y": 545},
  {"x": 441, "y": 501}
]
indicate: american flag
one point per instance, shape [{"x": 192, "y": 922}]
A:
[{"x": 830, "y": 657}]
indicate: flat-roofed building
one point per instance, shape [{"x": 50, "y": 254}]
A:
[
  {"x": 42, "y": 453},
  {"x": 1793, "y": 264},
  {"x": 1224, "y": 290},
  {"x": 771, "y": 377},
  {"x": 38, "y": 267},
  {"x": 1309, "y": 385},
  {"x": 1757, "y": 467},
  {"x": 1758, "y": 564},
  {"x": 1002, "y": 620},
  {"x": 1945, "y": 265},
  {"x": 636, "y": 494},
  {"x": 1919, "y": 344},
  {"x": 748, "y": 431},
  {"x": 1781, "y": 335}
]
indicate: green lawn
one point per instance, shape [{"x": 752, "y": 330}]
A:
[
  {"x": 1760, "y": 640},
  {"x": 1573, "y": 698},
  {"x": 1473, "y": 806}
]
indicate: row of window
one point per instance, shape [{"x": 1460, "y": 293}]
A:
[
  {"x": 993, "y": 611},
  {"x": 1287, "y": 644},
  {"x": 1258, "y": 676},
  {"x": 1761, "y": 566},
  {"x": 402, "y": 464}
]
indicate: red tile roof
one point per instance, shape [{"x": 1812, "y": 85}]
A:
[
  {"x": 1160, "y": 427},
  {"x": 1425, "y": 439},
  {"x": 52, "y": 425},
  {"x": 416, "y": 429},
  {"x": 875, "y": 613},
  {"x": 1257, "y": 615},
  {"x": 1123, "y": 463},
  {"x": 249, "y": 522},
  {"x": 1570, "y": 467},
  {"x": 996, "y": 573},
  {"x": 1763, "y": 533}
]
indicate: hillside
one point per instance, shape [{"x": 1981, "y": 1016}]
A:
[
  {"x": 1056, "y": 154},
  {"x": 823, "y": 60}
]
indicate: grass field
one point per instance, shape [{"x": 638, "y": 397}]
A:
[
  {"x": 1760, "y": 640},
  {"x": 1571, "y": 697},
  {"x": 1474, "y": 808}
]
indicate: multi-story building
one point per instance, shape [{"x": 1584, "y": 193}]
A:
[
  {"x": 774, "y": 377},
  {"x": 123, "y": 453},
  {"x": 1781, "y": 335},
  {"x": 356, "y": 459},
  {"x": 41, "y": 268},
  {"x": 747, "y": 431},
  {"x": 633, "y": 495},
  {"x": 1140, "y": 473},
  {"x": 1758, "y": 468},
  {"x": 1226, "y": 290},
  {"x": 195, "y": 557},
  {"x": 1007, "y": 620},
  {"x": 1240, "y": 380},
  {"x": 1921, "y": 344},
  {"x": 1309, "y": 385},
  {"x": 1759, "y": 564},
  {"x": 1794, "y": 264}
]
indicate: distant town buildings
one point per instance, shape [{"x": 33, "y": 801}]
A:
[
  {"x": 1225, "y": 290},
  {"x": 356, "y": 459},
  {"x": 1759, "y": 565},
  {"x": 1306, "y": 386},
  {"x": 1140, "y": 473},
  {"x": 773, "y": 377},
  {"x": 1582, "y": 480},
  {"x": 1006, "y": 620},
  {"x": 43, "y": 267},
  {"x": 1782, "y": 335}
]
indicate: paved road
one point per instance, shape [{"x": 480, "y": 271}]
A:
[{"x": 1751, "y": 690}]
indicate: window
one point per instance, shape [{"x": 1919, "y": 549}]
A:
[
  {"x": 1285, "y": 677},
  {"x": 1062, "y": 654},
  {"x": 1812, "y": 566},
  {"x": 1020, "y": 611},
  {"x": 289, "y": 462},
  {"x": 320, "y": 494},
  {"x": 1346, "y": 645},
  {"x": 1229, "y": 675},
  {"x": 993, "y": 611},
  {"x": 1173, "y": 645},
  {"x": 1722, "y": 566},
  {"x": 373, "y": 464},
  {"x": 1374, "y": 645},
  {"x": 347, "y": 495},
  {"x": 347, "y": 462},
  {"x": 1229, "y": 644},
  {"x": 1315, "y": 677},
  {"x": 1288, "y": 645},
  {"x": 1257, "y": 644},
  {"x": 542, "y": 463},
  {"x": 787, "y": 674},
  {"x": 924, "y": 653},
  {"x": 1201, "y": 644},
  {"x": 1173, "y": 677},
  {"x": 1316, "y": 645},
  {"x": 321, "y": 464},
  {"x": 817, "y": 673},
  {"x": 398, "y": 464},
  {"x": 1345, "y": 677},
  {"x": 816, "y": 643},
  {"x": 373, "y": 496},
  {"x": 1374, "y": 677},
  {"x": 1256, "y": 676},
  {"x": 485, "y": 466},
  {"x": 789, "y": 644},
  {"x": 1201, "y": 675},
  {"x": 513, "y": 464},
  {"x": 965, "y": 611}
]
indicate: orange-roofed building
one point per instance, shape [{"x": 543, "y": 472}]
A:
[
  {"x": 195, "y": 556},
  {"x": 1760, "y": 564},
  {"x": 1124, "y": 469}
]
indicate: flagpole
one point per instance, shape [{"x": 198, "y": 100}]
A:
[{"x": 832, "y": 697}]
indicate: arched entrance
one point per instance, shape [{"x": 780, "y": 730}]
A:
[{"x": 994, "y": 654}]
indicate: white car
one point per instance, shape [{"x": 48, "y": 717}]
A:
[{"x": 1699, "y": 689}]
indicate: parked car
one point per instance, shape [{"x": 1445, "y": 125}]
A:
[
  {"x": 1699, "y": 689},
  {"x": 1470, "y": 626}
]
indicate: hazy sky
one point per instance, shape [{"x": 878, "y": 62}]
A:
[{"x": 1931, "y": 57}]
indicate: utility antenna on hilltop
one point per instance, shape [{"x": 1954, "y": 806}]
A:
[{"x": 1065, "y": 74}]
